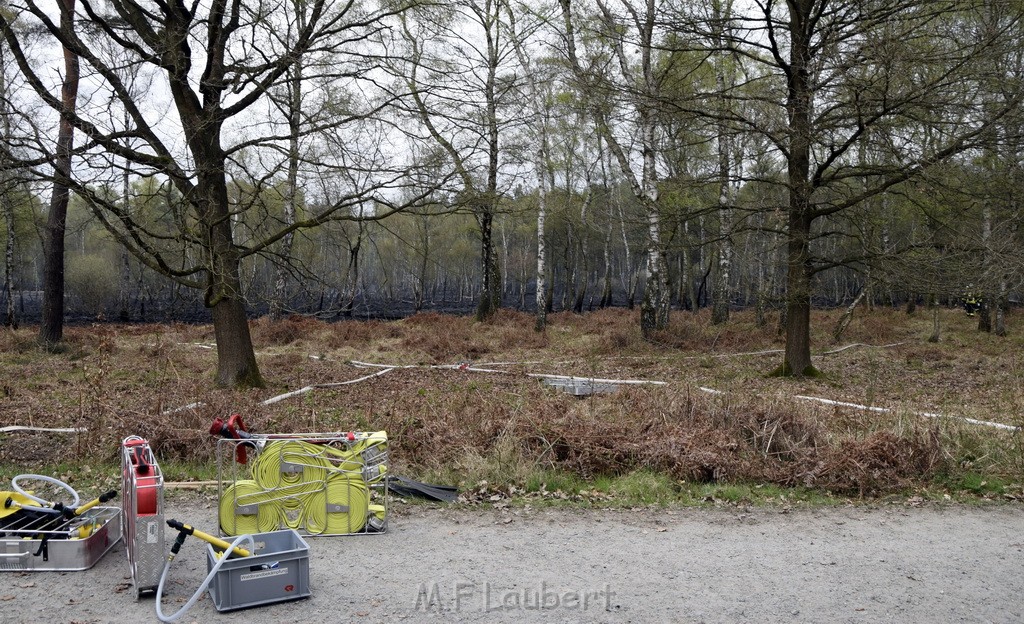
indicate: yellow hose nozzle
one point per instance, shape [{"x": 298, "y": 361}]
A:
[{"x": 214, "y": 541}]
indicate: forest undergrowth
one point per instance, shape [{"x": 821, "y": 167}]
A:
[{"x": 465, "y": 402}]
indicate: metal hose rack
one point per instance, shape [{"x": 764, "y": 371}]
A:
[
  {"x": 142, "y": 503},
  {"x": 318, "y": 484}
]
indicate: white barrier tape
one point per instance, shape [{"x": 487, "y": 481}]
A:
[
  {"x": 44, "y": 429},
  {"x": 842, "y": 403},
  {"x": 183, "y": 408},
  {"x": 598, "y": 380},
  {"x": 972, "y": 421},
  {"x": 288, "y": 395}
]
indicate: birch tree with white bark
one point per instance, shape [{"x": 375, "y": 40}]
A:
[{"x": 630, "y": 88}]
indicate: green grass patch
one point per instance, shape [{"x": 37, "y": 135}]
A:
[
  {"x": 88, "y": 479},
  {"x": 643, "y": 488},
  {"x": 542, "y": 481},
  {"x": 974, "y": 484},
  {"x": 188, "y": 471}
]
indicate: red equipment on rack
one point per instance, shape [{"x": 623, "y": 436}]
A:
[{"x": 143, "y": 504}]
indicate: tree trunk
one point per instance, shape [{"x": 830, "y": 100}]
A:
[
  {"x": 280, "y": 296},
  {"x": 936, "y": 326},
  {"x": 352, "y": 274},
  {"x": 581, "y": 261},
  {"x": 490, "y": 293},
  {"x": 7, "y": 188},
  {"x": 693, "y": 261},
  {"x": 798, "y": 300},
  {"x": 123, "y": 313},
  {"x": 123, "y": 295},
  {"x": 654, "y": 308},
  {"x": 985, "y": 315},
  {"x": 10, "y": 318},
  {"x": 424, "y": 263},
  {"x": 999, "y": 329},
  {"x": 236, "y": 360},
  {"x": 720, "y": 309},
  {"x": 798, "y": 263},
  {"x": 844, "y": 320},
  {"x": 630, "y": 277},
  {"x": 542, "y": 253},
  {"x": 606, "y": 271},
  {"x": 51, "y": 326},
  {"x": 985, "y": 308}
]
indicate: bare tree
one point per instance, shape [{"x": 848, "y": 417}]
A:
[
  {"x": 51, "y": 327},
  {"x": 291, "y": 105},
  {"x": 726, "y": 68},
  {"x": 843, "y": 68},
  {"x": 541, "y": 153},
  {"x": 217, "y": 92},
  {"x": 456, "y": 70},
  {"x": 7, "y": 190}
]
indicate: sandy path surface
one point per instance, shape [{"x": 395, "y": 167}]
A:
[{"x": 850, "y": 564}]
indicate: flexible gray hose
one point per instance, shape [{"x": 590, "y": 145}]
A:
[
  {"x": 206, "y": 582},
  {"x": 57, "y": 482}
]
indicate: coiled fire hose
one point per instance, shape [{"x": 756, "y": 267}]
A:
[
  {"x": 341, "y": 507},
  {"x": 230, "y": 549},
  {"x": 303, "y": 485},
  {"x": 244, "y": 495},
  {"x": 288, "y": 471}
]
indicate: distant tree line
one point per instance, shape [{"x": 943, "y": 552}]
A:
[{"x": 378, "y": 158}]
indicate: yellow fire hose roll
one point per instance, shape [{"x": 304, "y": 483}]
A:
[
  {"x": 343, "y": 460},
  {"x": 245, "y": 494},
  {"x": 291, "y": 463},
  {"x": 341, "y": 508},
  {"x": 366, "y": 456},
  {"x": 313, "y": 486},
  {"x": 376, "y": 519}
]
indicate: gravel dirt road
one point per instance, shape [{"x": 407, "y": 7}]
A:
[{"x": 850, "y": 564}]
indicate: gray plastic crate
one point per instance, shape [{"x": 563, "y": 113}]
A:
[{"x": 278, "y": 570}]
